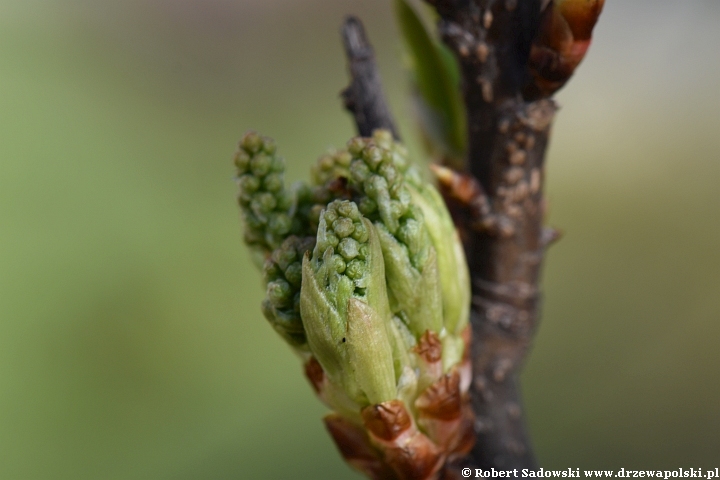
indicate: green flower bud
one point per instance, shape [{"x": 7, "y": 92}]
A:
[
  {"x": 252, "y": 143},
  {"x": 283, "y": 277},
  {"x": 345, "y": 310},
  {"x": 414, "y": 293},
  {"x": 331, "y": 166},
  {"x": 248, "y": 185},
  {"x": 242, "y": 161},
  {"x": 273, "y": 183},
  {"x": 391, "y": 193},
  {"x": 279, "y": 293},
  {"x": 269, "y": 210}
]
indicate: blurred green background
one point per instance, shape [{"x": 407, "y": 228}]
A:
[{"x": 131, "y": 340}]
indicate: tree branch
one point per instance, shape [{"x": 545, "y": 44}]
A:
[
  {"x": 364, "y": 97},
  {"x": 504, "y": 242}
]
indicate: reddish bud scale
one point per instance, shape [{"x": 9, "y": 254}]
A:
[
  {"x": 446, "y": 416},
  {"x": 460, "y": 187},
  {"x": 315, "y": 374},
  {"x": 464, "y": 191},
  {"x": 387, "y": 421},
  {"x": 389, "y": 445},
  {"x": 429, "y": 351},
  {"x": 563, "y": 40},
  {"x": 465, "y": 371},
  {"x": 429, "y": 347},
  {"x": 355, "y": 447},
  {"x": 465, "y": 436},
  {"x": 410, "y": 453},
  {"x": 417, "y": 459},
  {"x": 581, "y": 16},
  {"x": 441, "y": 400}
]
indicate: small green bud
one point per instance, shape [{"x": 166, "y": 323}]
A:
[
  {"x": 383, "y": 138},
  {"x": 325, "y": 162},
  {"x": 355, "y": 146},
  {"x": 359, "y": 172},
  {"x": 338, "y": 264},
  {"x": 260, "y": 165},
  {"x": 330, "y": 216},
  {"x": 349, "y": 210},
  {"x": 363, "y": 251},
  {"x": 331, "y": 166},
  {"x": 367, "y": 206},
  {"x": 360, "y": 233},
  {"x": 284, "y": 256},
  {"x": 293, "y": 274},
  {"x": 262, "y": 204},
  {"x": 279, "y": 293},
  {"x": 343, "y": 227},
  {"x": 273, "y": 183},
  {"x": 412, "y": 234},
  {"x": 343, "y": 159},
  {"x": 249, "y": 184},
  {"x": 279, "y": 225},
  {"x": 355, "y": 269},
  {"x": 251, "y": 142},
  {"x": 269, "y": 146},
  {"x": 348, "y": 248},
  {"x": 389, "y": 172},
  {"x": 242, "y": 161},
  {"x": 372, "y": 155}
]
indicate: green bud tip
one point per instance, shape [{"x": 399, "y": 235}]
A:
[
  {"x": 267, "y": 207},
  {"x": 344, "y": 305}
]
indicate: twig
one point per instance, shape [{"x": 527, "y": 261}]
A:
[
  {"x": 364, "y": 96},
  {"x": 507, "y": 141}
]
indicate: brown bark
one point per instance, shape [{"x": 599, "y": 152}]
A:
[{"x": 504, "y": 240}]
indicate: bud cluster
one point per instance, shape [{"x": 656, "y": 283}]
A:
[
  {"x": 264, "y": 201},
  {"x": 366, "y": 279}
]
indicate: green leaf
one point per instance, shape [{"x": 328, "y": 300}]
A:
[
  {"x": 437, "y": 78},
  {"x": 416, "y": 292},
  {"x": 369, "y": 352},
  {"x": 324, "y": 326},
  {"x": 452, "y": 266}
]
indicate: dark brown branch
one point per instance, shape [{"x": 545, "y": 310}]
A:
[
  {"x": 507, "y": 141},
  {"x": 364, "y": 96}
]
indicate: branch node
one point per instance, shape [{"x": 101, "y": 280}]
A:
[{"x": 549, "y": 236}]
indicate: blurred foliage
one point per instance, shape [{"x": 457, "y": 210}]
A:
[
  {"x": 131, "y": 339},
  {"x": 436, "y": 83}
]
